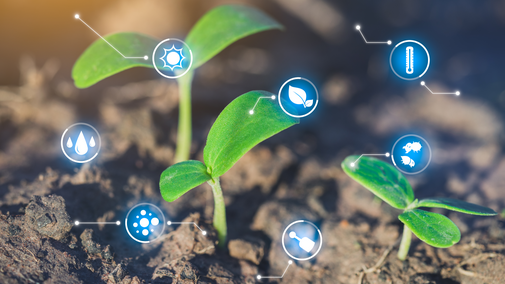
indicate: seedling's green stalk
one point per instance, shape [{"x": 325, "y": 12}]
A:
[
  {"x": 405, "y": 243},
  {"x": 219, "y": 211},
  {"x": 388, "y": 184},
  {"x": 183, "y": 148}
]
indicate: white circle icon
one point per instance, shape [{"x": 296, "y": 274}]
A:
[
  {"x": 143, "y": 223},
  {"x": 81, "y": 142},
  {"x": 302, "y": 240},
  {"x": 172, "y": 58},
  {"x": 298, "y": 97}
]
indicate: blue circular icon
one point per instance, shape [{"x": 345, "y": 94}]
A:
[
  {"x": 145, "y": 223},
  {"x": 302, "y": 240},
  {"x": 298, "y": 97},
  {"x": 411, "y": 154},
  {"x": 172, "y": 58},
  {"x": 409, "y": 60},
  {"x": 80, "y": 142}
]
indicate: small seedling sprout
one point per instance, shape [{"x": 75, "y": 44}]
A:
[
  {"x": 231, "y": 136},
  {"x": 389, "y": 184}
]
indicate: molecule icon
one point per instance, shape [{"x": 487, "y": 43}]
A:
[{"x": 145, "y": 222}]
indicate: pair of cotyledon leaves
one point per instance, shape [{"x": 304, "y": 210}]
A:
[
  {"x": 386, "y": 182},
  {"x": 216, "y": 30}
]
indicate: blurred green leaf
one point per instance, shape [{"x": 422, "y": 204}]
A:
[
  {"x": 382, "y": 179},
  {"x": 223, "y": 26},
  {"x": 457, "y": 205},
  {"x": 100, "y": 60},
  {"x": 235, "y": 131},
  {"x": 432, "y": 228},
  {"x": 181, "y": 178}
]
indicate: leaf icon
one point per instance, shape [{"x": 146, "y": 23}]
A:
[
  {"x": 297, "y": 96},
  {"x": 308, "y": 103}
]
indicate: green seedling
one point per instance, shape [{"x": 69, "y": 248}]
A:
[
  {"x": 387, "y": 183},
  {"x": 233, "y": 134},
  {"x": 216, "y": 30}
]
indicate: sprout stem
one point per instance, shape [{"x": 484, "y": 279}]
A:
[
  {"x": 184, "y": 130},
  {"x": 405, "y": 244},
  {"x": 219, "y": 211}
]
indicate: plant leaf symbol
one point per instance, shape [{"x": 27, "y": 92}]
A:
[{"x": 298, "y": 96}]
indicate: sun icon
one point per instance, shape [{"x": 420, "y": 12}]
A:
[{"x": 172, "y": 58}]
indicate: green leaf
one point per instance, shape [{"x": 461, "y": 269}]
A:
[
  {"x": 432, "y": 228},
  {"x": 236, "y": 131},
  {"x": 382, "y": 179},
  {"x": 181, "y": 178},
  {"x": 457, "y": 205},
  {"x": 223, "y": 26},
  {"x": 100, "y": 60}
]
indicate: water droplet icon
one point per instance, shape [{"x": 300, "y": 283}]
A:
[
  {"x": 92, "y": 142},
  {"x": 69, "y": 143},
  {"x": 81, "y": 147}
]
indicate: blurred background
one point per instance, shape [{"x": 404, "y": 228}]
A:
[{"x": 364, "y": 107}]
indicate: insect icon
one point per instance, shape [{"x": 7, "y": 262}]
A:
[
  {"x": 408, "y": 161},
  {"x": 414, "y": 146}
]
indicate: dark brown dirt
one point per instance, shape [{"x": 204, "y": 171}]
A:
[{"x": 294, "y": 175}]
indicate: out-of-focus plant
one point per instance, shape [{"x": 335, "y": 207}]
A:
[{"x": 216, "y": 30}]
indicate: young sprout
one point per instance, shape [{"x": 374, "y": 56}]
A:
[
  {"x": 387, "y": 183},
  {"x": 232, "y": 135},
  {"x": 216, "y": 30}
]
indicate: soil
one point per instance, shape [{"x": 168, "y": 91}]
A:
[{"x": 294, "y": 175}]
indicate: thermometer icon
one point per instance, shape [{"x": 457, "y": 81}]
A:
[{"x": 410, "y": 59}]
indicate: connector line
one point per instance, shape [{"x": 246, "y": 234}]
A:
[
  {"x": 263, "y": 97},
  {"x": 145, "y": 57},
  {"x": 77, "y": 223},
  {"x": 193, "y": 223},
  {"x": 358, "y": 27},
  {"x": 259, "y": 277},
  {"x": 457, "y": 93},
  {"x": 354, "y": 163}
]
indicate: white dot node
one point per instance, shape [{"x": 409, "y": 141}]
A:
[
  {"x": 292, "y": 234},
  {"x": 204, "y": 233},
  {"x": 76, "y": 16},
  {"x": 137, "y": 216},
  {"x": 145, "y": 232},
  {"x": 143, "y": 212},
  {"x": 290, "y": 262},
  {"x": 135, "y": 225},
  {"x": 259, "y": 277},
  {"x": 169, "y": 223},
  {"x": 273, "y": 97},
  {"x": 389, "y": 42},
  {"x": 150, "y": 214},
  {"x": 173, "y": 58},
  {"x": 422, "y": 83},
  {"x": 387, "y": 154},
  {"x": 152, "y": 230},
  {"x": 144, "y": 222},
  {"x": 76, "y": 223},
  {"x": 145, "y": 57},
  {"x": 155, "y": 221},
  {"x": 352, "y": 165},
  {"x": 251, "y": 112},
  {"x": 458, "y": 93},
  {"x": 118, "y": 223},
  {"x": 358, "y": 27},
  {"x": 137, "y": 231}
]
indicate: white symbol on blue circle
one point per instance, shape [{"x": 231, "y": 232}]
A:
[
  {"x": 411, "y": 154},
  {"x": 298, "y": 97},
  {"x": 148, "y": 223},
  {"x": 80, "y": 142},
  {"x": 409, "y": 60}
]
